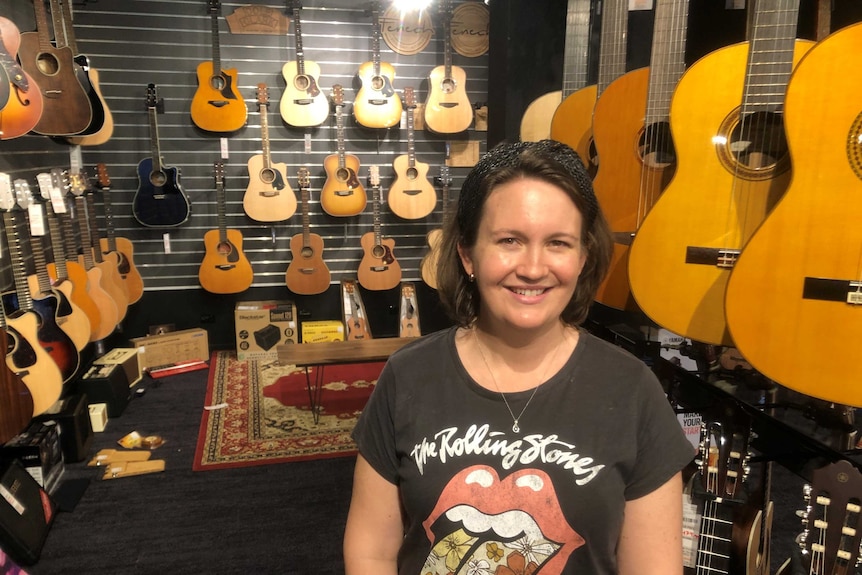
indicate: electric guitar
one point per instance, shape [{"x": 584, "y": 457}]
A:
[
  {"x": 268, "y": 197},
  {"x": 224, "y": 269},
  {"x": 15, "y": 399},
  {"x": 159, "y": 201},
  {"x": 795, "y": 288},
  {"x": 411, "y": 196},
  {"x": 119, "y": 248},
  {"x": 378, "y": 269},
  {"x": 303, "y": 105},
  {"x": 307, "y": 273},
  {"x": 447, "y": 108},
  {"x": 726, "y": 185},
  {"x": 217, "y": 105},
  {"x": 342, "y": 193},
  {"x": 428, "y": 266},
  {"x": 66, "y": 107},
  {"x": 409, "y": 313},
  {"x": 24, "y": 102},
  {"x": 377, "y": 104},
  {"x": 357, "y": 327}
]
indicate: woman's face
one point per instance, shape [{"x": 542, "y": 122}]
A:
[{"x": 528, "y": 255}]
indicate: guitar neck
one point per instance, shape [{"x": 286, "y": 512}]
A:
[
  {"x": 770, "y": 56},
  {"x": 109, "y": 219},
  {"x": 155, "y": 151},
  {"x": 297, "y": 35},
  {"x": 447, "y": 42},
  {"x": 411, "y": 146},
  {"x": 577, "y": 43},
  {"x": 667, "y": 61},
  {"x": 215, "y": 42},
  {"x": 264, "y": 136},
  {"x": 42, "y": 29},
  {"x": 41, "y": 265},
  {"x": 58, "y": 245},
  {"x": 375, "y": 43},
  {"x": 714, "y": 546},
  {"x": 376, "y": 212},
  {"x": 69, "y": 232},
  {"x": 66, "y": 25},
  {"x": 612, "y": 51},
  {"x": 91, "y": 240},
  {"x": 306, "y": 227},
  {"x": 16, "y": 256},
  {"x": 222, "y": 211},
  {"x": 339, "y": 134}
]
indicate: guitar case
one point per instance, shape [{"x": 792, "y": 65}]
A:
[{"x": 26, "y": 514}]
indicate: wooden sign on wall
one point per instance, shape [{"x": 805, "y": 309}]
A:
[{"x": 258, "y": 20}]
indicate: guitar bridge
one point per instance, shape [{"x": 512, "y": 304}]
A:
[
  {"x": 448, "y": 104},
  {"x": 412, "y": 192},
  {"x": 825, "y": 289},
  {"x": 379, "y": 268},
  {"x": 306, "y": 271},
  {"x": 303, "y": 101},
  {"x": 720, "y": 257},
  {"x": 268, "y": 194},
  {"x": 218, "y": 103},
  {"x": 225, "y": 267},
  {"x": 378, "y": 101},
  {"x": 343, "y": 193}
]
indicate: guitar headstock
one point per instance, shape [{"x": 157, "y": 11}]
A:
[
  {"x": 152, "y": 96},
  {"x": 23, "y": 197},
  {"x": 46, "y": 184},
  {"x": 445, "y": 177},
  {"x": 102, "y": 179},
  {"x": 374, "y": 176},
  {"x": 723, "y": 463},
  {"x": 302, "y": 176},
  {"x": 7, "y": 196},
  {"x": 337, "y": 94},
  {"x": 407, "y": 290},
  {"x": 409, "y": 97},
  {"x": 214, "y": 7},
  {"x": 294, "y": 6},
  {"x": 218, "y": 171},
  {"x": 262, "y": 94},
  {"x": 79, "y": 183}
]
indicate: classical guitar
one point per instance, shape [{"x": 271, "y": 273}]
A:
[
  {"x": 342, "y": 193},
  {"x": 572, "y": 121},
  {"x": 66, "y": 104},
  {"x": 119, "y": 248},
  {"x": 725, "y": 186},
  {"x": 795, "y": 288},
  {"x": 377, "y": 104},
  {"x": 428, "y": 266},
  {"x": 16, "y": 401},
  {"x": 19, "y": 302},
  {"x": 268, "y": 197},
  {"x": 447, "y": 108},
  {"x": 411, "y": 196},
  {"x": 832, "y": 538},
  {"x": 225, "y": 268},
  {"x": 409, "y": 312},
  {"x": 23, "y": 104},
  {"x": 307, "y": 273},
  {"x": 102, "y": 123},
  {"x": 357, "y": 327},
  {"x": 632, "y": 114},
  {"x": 160, "y": 201},
  {"x": 217, "y": 105},
  {"x": 378, "y": 269},
  {"x": 302, "y": 104},
  {"x": 537, "y": 118}
]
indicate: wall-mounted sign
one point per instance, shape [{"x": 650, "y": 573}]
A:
[
  {"x": 258, "y": 20},
  {"x": 470, "y": 24},
  {"x": 406, "y": 33}
]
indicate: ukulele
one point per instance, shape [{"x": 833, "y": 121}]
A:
[
  {"x": 66, "y": 104},
  {"x": 688, "y": 245},
  {"x": 303, "y": 105},
  {"x": 224, "y": 269},
  {"x": 23, "y": 104},
  {"x": 428, "y": 267},
  {"x": 16, "y": 401},
  {"x": 307, "y": 273},
  {"x": 447, "y": 108},
  {"x": 377, "y": 104},
  {"x": 159, "y": 201},
  {"x": 632, "y": 114},
  {"x": 411, "y": 196},
  {"x": 342, "y": 193},
  {"x": 793, "y": 296},
  {"x": 378, "y": 269},
  {"x": 409, "y": 315},
  {"x": 119, "y": 248},
  {"x": 357, "y": 328},
  {"x": 268, "y": 197},
  {"x": 217, "y": 105}
]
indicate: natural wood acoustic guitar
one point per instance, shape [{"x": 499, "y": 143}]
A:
[
  {"x": 411, "y": 196},
  {"x": 16, "y": 401},
  {"x": 23, "y": 103},
  {"x": 378, "y": 269},
  {"x": 409, "y": 312},
  {"x": 434, "y": 238},
  {"x": 447, "y": 108},
  {"x": 307, "y": 273},
  {"x": 357, "y": 326},
  {"x": 302, "y": 105},
  {"x": 342, "y": 193},
  {"x": 377, "y": 104}
]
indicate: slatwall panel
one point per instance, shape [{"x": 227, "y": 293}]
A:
[{"x": 135, "y": 42}]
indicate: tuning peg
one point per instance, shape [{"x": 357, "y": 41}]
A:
[
  {"x": 802, "y": 540},
  {"x": 806, "y": 492}
]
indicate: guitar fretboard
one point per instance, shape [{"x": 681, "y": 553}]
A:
[
  {"x": 667, "y": 62},
  {"x": 16, "y": 256},
  {"x": 770, "y": 55},
  {"x": 215, "y": 40},
  {"x": 576, "y": 51},
  {"x": 612, "y": 51}
]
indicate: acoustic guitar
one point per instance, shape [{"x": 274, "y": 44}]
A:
[
  {"x": 23, "y": 103},
  {"x": 16, "y": 401},
  {"x": 217, "y": 105},
  {"x": 225, "y": 268},
  {"x": 303, "y": 105},
  {"x": 357, "y": 327},
  {"x": 342, "y": 193},
  {"x": 411, "y": 196},
  {"x": 447, "y": 108},
  {"x": 119, "y": 248},
  {"x": 268, "y": 197},
  {"x": 793, "y": 303},
  {"x": 66, "y": 107},
  {"x": 409, "y": 312},
  {"x": 733, "y": 167},
  {"x": 307, "y": 273},
  {"x": 378, "y": 269},
  {"x": 428, "y": 266},
  {"x": 632, "y": 115},
  {"x": 159, "y": 201},
  {"x": 572, "y": 121},
  {"x": 377, "y": 104}
]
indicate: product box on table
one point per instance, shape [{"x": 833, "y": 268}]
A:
[
  {"x": 39, "y": 451},
  {"x": 323, "y": 330},
  {"x": 172, "y": 347},
  {"x": 261, "y": 326}
]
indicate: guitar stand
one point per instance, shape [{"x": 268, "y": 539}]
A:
[{"x": 315, "y": 391}]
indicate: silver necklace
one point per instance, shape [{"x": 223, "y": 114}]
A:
[{"x": 515, "y": 427}]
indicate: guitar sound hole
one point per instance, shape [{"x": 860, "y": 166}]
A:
[
  {"x": 267, "y": 176},
  {"x": 447, "y": 86},
  {"x": 412, "y": 173},
  {"x": 224, "y": 248},
  {"x": 218, "y": 82},
  {"x": 753, "y": 146},
  {"x": 593, "y": 160},
  {"x": 378, "y": 251},
  {"x": 342, "y": 174},
  {"x": 306, "y": 252},
  {"x": 377, "y": 83},
  {"x": 47, "y": 64},
  {"x": 656, "y": 146},
  {"x": 301, "y": 83},
  {"x": 158, "y": 178},
  {"x": 854, "y": 146}
]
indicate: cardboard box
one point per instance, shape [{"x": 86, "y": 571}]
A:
[
  {"x": 128, "y": 359},
  {"x": 172, "y": 347},
  {"x": 39, "y": 451},
  {"x": 325, "y": 330},
  {"x": 261, "y": 326}
]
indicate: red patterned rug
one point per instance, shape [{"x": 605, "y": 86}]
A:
[{"x": 258, "y": 413}]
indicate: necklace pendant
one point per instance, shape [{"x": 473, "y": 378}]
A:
[{"x": 515, "y": 427}]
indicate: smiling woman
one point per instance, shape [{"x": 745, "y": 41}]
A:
[{"x": 515, "y": 439}]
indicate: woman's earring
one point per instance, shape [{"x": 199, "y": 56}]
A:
[{"x": 471, "y": 278}]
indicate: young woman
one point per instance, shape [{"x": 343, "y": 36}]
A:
[{"x": 516, "y": 442}]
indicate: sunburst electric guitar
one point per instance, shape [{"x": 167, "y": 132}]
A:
[
  {"x": 303, "y": 105},
  {"x": 217, "y": 105},
  {"x": 377, "y": 104},
  {"x": 23, "y": 103},
  {"x": 268, "y": 197},
  {"x": 342, "y": 193},
  {"x": 411, "y": 196},
  {"x": 447, "y": 108},
  {"x": 225, "y": 268},
  {"x": 307, "y": 273},
  {"x": 428, "y": 266},
  {"x": 378, "y": 269}
]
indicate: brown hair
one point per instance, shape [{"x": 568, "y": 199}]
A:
[{"x": 551, "y": 162}]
